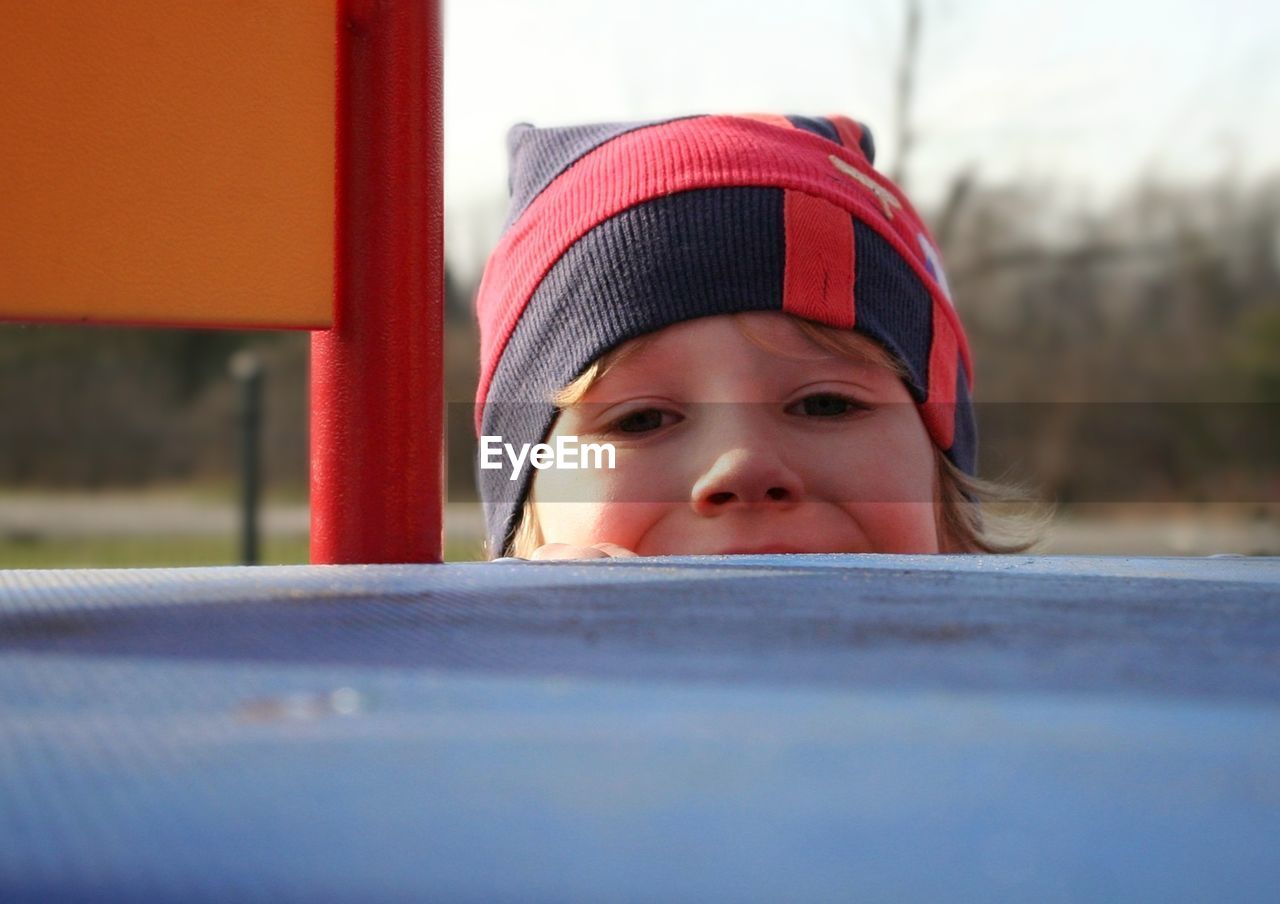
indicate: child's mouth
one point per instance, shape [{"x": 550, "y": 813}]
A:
[{"x": 766, "y": 550}]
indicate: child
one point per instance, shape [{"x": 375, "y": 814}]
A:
[{"x": 757, "y": 323}]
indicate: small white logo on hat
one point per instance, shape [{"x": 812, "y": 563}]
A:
[
  {"x": 887, "y": 199},
  {"x": 933, "y": 262}
]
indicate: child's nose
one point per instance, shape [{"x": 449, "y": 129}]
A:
[{"x": 746, "y": 477}]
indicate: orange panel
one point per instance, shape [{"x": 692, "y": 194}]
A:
[{"x": 167, "y": 162}]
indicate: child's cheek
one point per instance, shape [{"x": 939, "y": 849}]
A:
[
  {"x": 600, "y": 505},
  {"x": 888, "y": 459},
  {"x": 567, "y": 522},
  {"x": 904, "y": 464},
  {"x": 630, "y": 524},
  {"x": 598, "y": 521},
  {"x": 900, "y": 527}
]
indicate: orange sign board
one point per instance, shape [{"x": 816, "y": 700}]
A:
[{"x": 168, "y": 163}]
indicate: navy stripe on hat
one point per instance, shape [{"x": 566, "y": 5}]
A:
[
  {"x": 892, "y": 304},
  {"x": 695, "y": 254},
  {"x": 817, "y": 126}
]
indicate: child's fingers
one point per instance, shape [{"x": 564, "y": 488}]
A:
[
  {"x": 615, "y": 551},
  {"x": 553, "y": 551}
]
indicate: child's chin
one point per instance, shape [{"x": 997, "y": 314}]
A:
[{"x": 756, "y": 549}]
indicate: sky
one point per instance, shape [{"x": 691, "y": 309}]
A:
[{"x": 1086, "y": 95}]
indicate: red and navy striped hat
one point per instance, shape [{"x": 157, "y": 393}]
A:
[{"x": 620, "y": 229}]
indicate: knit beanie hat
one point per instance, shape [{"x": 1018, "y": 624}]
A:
[{"x": 616, "y": 230}]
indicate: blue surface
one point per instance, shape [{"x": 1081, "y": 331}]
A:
[{"x": 763, "y": 728}]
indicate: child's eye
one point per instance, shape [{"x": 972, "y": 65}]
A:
[
  {"x": 642, "y": 421},
  {"x": 827, "y": 404}
]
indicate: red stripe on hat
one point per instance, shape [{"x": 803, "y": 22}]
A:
[
  {"x": 817, "y": 281},
  {"x": 939, "y": 410},
  {"x": 772, "y": 119},
  {"x": 660, "y": 160},
  {"x": 849, "y": 131}
]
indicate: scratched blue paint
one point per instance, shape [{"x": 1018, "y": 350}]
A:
[{"x": 798, "y": 728}]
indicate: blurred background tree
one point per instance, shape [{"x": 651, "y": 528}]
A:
[{"x": 1126, "y": 332}]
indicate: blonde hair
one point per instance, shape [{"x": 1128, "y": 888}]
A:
[{"x": 974, "y": 515}]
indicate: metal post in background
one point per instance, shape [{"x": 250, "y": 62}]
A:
[
  {"x": 246, "y": 368},
  {"x": 377, "y": 395}
]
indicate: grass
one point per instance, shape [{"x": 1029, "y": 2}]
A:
[
  {"x": 1079, "y": 530},
  {"x": 220, "y": 492},
  {"x": 164, "y": 551}
]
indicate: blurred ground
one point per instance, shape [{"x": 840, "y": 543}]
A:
[
  {"x": 1166, "y": 530},
  {"x": 167, "y": 527},
  {"x": 44, "y": 530}
]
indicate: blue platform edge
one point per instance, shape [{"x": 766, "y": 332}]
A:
[{"x": 732, "y": 728}]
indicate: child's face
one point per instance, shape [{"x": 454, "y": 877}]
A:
[{"x": 725, "y": 447}]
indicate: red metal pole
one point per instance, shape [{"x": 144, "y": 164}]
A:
[{"x": 377, "y": 397}]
